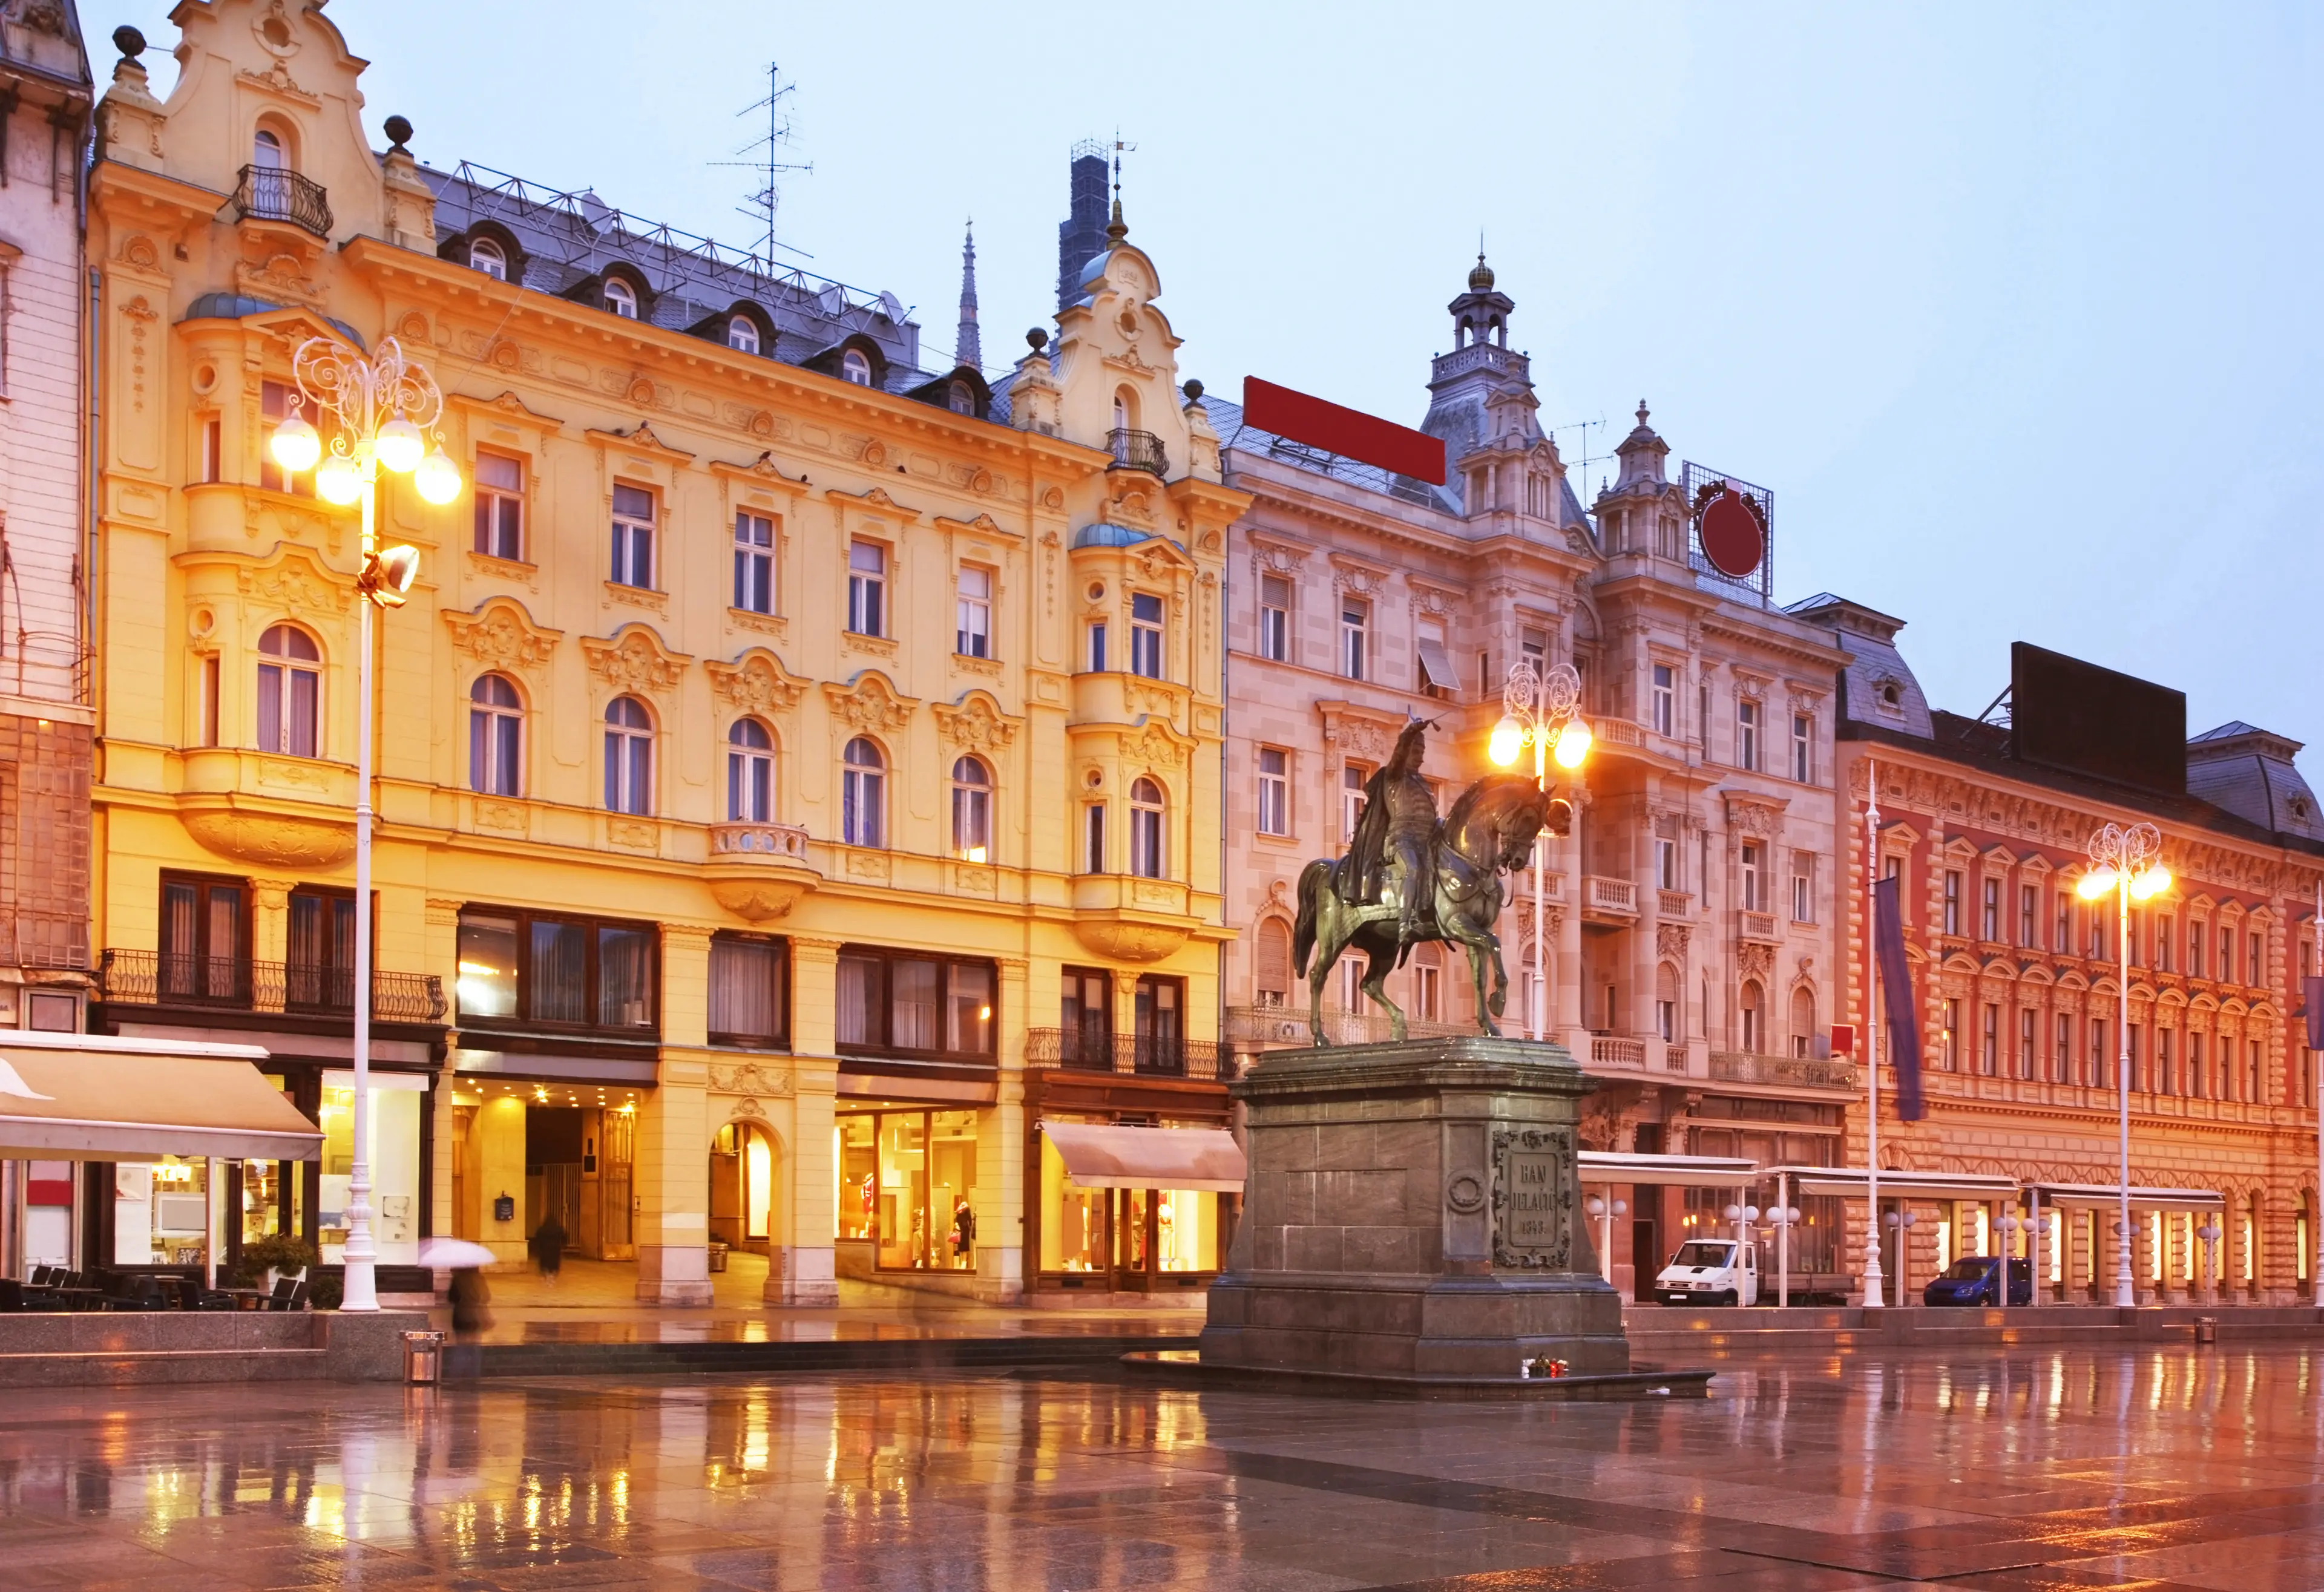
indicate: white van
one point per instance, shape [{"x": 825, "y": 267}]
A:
[{"x": 1711, "y": 1271}]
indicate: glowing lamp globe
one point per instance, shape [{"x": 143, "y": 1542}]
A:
[
  {"x": 1509, "y": 739},
  {"x": 2096, "y": 883},
  {"x": 437, "y": 478},
  {"x": 2152, "y": 881},
  {"x": 393, "y": 570},
  {"x": 401, "y": 445},
  {"x": 1573, "y": 744},
  {"x": 337, "y": 480},
  {"x": 296, "y": 445}
]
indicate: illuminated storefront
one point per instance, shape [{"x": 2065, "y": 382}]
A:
[{"x": 904, "y": 1179}]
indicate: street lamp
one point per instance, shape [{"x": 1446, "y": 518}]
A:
[
  {"x": 2128, "y": 862},
  {"x": 375, "y": 407},
  {"x": 1540, "y": 708}
]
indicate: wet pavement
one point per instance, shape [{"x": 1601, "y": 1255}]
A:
[{"x": 2027, "y": 1470}]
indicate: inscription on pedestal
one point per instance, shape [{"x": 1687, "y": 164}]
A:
[{"x": 1532, "y": 1197}]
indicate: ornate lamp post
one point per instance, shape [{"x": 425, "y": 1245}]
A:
[
  {"x": 2128, "y": 862},
  {"x": 1542, "y": 711},
  {"x": 375, "y": 408}
]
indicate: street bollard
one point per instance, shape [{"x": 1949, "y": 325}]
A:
[
  {"x": 423, "y": 1357},
  {"x": 2207, "y": 1328}
]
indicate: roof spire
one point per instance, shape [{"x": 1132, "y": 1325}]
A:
[
  {"x": 1117, "y": 228},
  {"x": 968, "y": 347}
]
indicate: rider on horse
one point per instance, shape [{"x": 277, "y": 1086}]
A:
[{"x": 1399, "y": 824}]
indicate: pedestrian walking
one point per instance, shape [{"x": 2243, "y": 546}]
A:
[{"x": 548, "y": 1247}]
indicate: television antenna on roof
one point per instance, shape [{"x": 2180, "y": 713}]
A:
[{"x": 768, "y": 161}]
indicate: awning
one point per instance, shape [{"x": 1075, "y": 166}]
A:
[
  {"x": 1683, "y": 1171},
  {"x": 1899, "y": 1185},
  {"x": 80, "y": 1097},
  {"x": 1435, "y": 669},
  {"x": 2082, "y": 1196},
  {"x": 1102, "y": 1156}
]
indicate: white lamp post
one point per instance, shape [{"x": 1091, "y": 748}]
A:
[
  {"x": 2129, "y": 863},
  {"x": 375, "y": 407},
  {"x": 1542, "y": 711}
]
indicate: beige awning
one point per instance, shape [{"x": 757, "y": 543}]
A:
[
  {"x": 1436, "y": 668},
  {"x": 2077, "y": 1196},
  {"x": 1102, "y": 1156},
  {"x": 1897, "y": 1185},
  {"x": 80, "y": 1097},
  {"x": 1678, "y": 1172}
]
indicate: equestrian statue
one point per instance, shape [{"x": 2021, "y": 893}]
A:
[{"x": 1410, "y": 877}]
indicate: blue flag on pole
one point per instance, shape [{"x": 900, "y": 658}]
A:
[{"x": 1896, "y": 995}]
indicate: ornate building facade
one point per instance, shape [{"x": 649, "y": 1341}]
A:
[
  {"x": 721, "y": 896},
  {"x": 1689, "y": 917}
]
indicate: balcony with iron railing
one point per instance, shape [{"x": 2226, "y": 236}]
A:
[
  {"x": 1137, "y": 450},
  {"x": 269, "y": 193},
  {"x": 1738, "y": 1066},
  {"x": 1141, "y": 1055},
  {"x": 233, "y": 983}
]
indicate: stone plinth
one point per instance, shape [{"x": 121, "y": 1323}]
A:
[{"x": 1414, "y": 1210}]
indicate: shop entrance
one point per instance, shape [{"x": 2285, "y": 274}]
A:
[
  {"x": 551, "y": 1154},
  {"x": 745, "y": 1183}
]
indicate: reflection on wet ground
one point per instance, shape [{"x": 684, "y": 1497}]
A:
[{"x": 2024, "y": 1470}]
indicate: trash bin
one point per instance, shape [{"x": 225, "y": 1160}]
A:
[
  {"x": 717, "y": 1255},
  {"x": 423, "y": 1357},
  {"x": 2207, "y": 1328}
]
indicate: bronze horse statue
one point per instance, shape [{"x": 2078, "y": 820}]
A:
[{"x": 1490, "y": 832}]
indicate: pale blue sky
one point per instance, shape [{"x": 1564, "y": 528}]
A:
[{"x": 2013, "y": 307}]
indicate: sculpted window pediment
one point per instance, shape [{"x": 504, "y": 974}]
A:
[
  {"x": 634, "y": 659},
  {"x": 760, "y": 471},
  {"x": 641, "y": 439},
  {"x": 870, "y": 701},
  {"x": 500, "y": 634},
  {"x": 1157, "y": 745},
  {"x": 875, "y": 504},
  {"x": 296, "y": 581},
  {"x": 976, "y": 723},
  {"x": 507, "y": 408},
  {"x": 755, "y": 683}
]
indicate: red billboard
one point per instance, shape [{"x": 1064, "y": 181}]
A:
[{"x": 1350, "y": 433}]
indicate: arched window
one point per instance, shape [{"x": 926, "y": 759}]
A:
[
  {"x": 629, "y": 757},
  {"x": 1125, "y": 410},
  {"x": 1146, "y": 849},
  {"x": 289, "y": 692},
  {"x": 1667, "y": 1019},
  {"x": 1751, "y": 1016},
  {"x": 855, "y": 367},
  {"x": 620, "y": 298},
  {"x": 266, "y": 151},
  {"x": 489, "y": 257},
  {"x": 1272, "y": 978},
  {"x": 743, "y": 334},
  {"x": 971, "y": 811},
  {"x": 964, "y": 401},
  {"x": 495, "y": 737},
  {"x": 1803, "y": 1021},
  {"x": 863, "y": 794},
  {"x": 749, "y": 773}
]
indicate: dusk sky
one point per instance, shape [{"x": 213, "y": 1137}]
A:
[{"x": 2013, "y": 309}]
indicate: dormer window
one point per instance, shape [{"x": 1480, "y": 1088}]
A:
[
  {"x": 743, "y": 334},
  {"x": 620, "y": 298},
  {"x": 964, "y": 401},
  {"x": 487, "y": 256},
  {"x": 855, "y": 367}
]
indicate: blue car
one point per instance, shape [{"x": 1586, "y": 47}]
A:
[{"x": 1976, "y": 1279}]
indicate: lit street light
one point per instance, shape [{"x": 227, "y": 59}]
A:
[
  {"x": 2128, "y": 862},
  {"x": 1541, "y": 710},
  {"x": 375, "y": 408}
]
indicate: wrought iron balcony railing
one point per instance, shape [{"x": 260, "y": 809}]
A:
[
  {"x": 233, "y": 983},
  {"x": 1738, "y": 1066},
  {"x": 1127, "y": 1053},
  {"x": 269, "y": 193},
  {"x": 1138, "y": 450}
]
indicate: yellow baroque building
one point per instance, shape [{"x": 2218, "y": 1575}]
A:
[{"x": 797, "y": 768}]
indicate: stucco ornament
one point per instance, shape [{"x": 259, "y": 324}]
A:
[
  {"x": 755, "y": 683},
  {"x": 635, "y": 660},
  {"x": 501, "y": 635},
  {"x": 274, "y": 840},
  {"x": 976, "y": 723},
  {"x": 869, "y": 702}
]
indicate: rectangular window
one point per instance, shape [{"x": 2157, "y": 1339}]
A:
[
  {"x": 1803, "y": 886},
  {"x": 2166, "y": 932},
  {"x": 1702, "y": 718},
  {"x": 1145, "y": 636},
  {"x": 1989, "y": 918},
  {"x": 2226, "y": 956},
  {"x": 209, "y": 703},
  {"x": 1096, "y": 649},
  {"x": 2063, "y": 939},
  {"x": 1274, "y": 618},
  {"x": 867, "y": 588},
  {"x": 1355, "y": 638},
  {"x": 2027, "y": 1020},
  {"x": 1802, "y": 748},
  {"x": 1952, "y": 901},
  {"x": 754, "y": 561},
  {"x": 1158, "y": 1011},
  {"x": 1989, "y": 1055},
  {"x": 526, "y": 967},
  {"x": 2255, "y": 960},
  {"x": 274, "y": 406},
  {"x": 972, "y": 613},
  {"x": 2095, "y": 1069},
  {"x": 2138, "y": 1080},
  {"x": 319, "y": 950},
  {"x": 205, "y": 953},
  {"x": 1427, "y": 991},
  {"x": 938, "y": 1008},
  {"x": 2195, "y": 950},
  {"x": 500, "y": 506},
  {"x": 1754, "y": 890},
  {"x": 1094, "y": 838},
  {"x": 2166, "y": 1073},
  {"x": 1665, "y": 699},
  {"x": 1274, "y": 791},
  {"x": 2029, "y": 914},
  {"x": 1432, "y": 675},
  {"x": 1746, "y": 735},
  {"x": 2195, "y": 1060},
  {"x": 1666, "y": 863},
  {"x": 750, "y": 991},
  {"x": 1950, "y": 1054},
  {"x": 634, "y": 537},
  {"x": 1351, "y": 800},
  {"x": 1485, "y": 684},
  {"x": 1085, "y": 1028},
  {"x": 213, "y": 450},
  {"x": 2062, "y": 1050}
]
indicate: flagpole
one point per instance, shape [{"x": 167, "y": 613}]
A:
[{"x": 1875, "y": 1286}]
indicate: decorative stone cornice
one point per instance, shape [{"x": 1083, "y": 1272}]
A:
[
  {"x": 1156, "y": 744},
  {"x": 501, "y": 635},
  {"x": 755, "y": 683},
  {"x": 634, "y": 660},
  {"x": 976, "y": 723},
  {"x": 870, "y": 702}
]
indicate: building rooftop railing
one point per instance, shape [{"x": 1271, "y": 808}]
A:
[{"x": 228, "y": 984}]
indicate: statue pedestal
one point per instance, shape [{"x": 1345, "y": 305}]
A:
[{"x": 1414, "y": 1211}]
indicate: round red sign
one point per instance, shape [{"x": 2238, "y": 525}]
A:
[{"x": 1732, "y": 537}]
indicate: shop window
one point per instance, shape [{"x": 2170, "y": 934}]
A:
[
  {"x": 396, "y": 1110},
  {"x": 898, "y": 1003},
  {"x": 527, "y": 968},
  {"x": 1086, "y": 1020},
  {"x": 500, "y": 506},
  {"x": 754, "y": 561},
  {"x": 907, "y": 1182},
  {"x": 1138, "y": 1231},
  {"x": 289, "y": 692},
  {"x": 205, "y": 939},
  {"x": 750, "y": 991}
]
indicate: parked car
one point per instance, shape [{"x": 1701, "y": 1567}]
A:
[
  {"x": 1711, "y": 1271},
  {"x": 1976, "y": 1279}
]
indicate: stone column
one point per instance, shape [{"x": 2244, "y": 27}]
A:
[
  {"x": 441, "y": 950},
  {"x": 673, "y": 1188},
  {"x": 270, "y": 933},
  {"x": 810, "y": 1273},
  {"x": 1000, "y": 1136}
]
